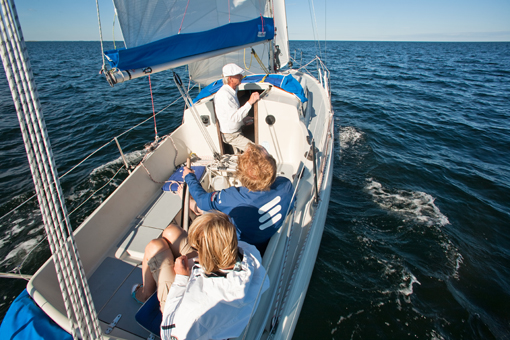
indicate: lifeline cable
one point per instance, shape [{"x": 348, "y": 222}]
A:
[
  {"x": 289, "y": 223},
  {"x": 93, "y": 153}
]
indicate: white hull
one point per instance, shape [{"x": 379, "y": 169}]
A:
[{"x": 111, "y": 240}]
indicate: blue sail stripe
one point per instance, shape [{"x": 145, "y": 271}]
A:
[{"x": 190, "y": 44}]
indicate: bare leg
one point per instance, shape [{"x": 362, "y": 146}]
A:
[
  {"x": 176, "y": 238},
  {"x": 174, "y": 235},
  {"x": 149, "y": 285}
]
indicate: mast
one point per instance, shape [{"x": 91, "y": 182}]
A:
[{"x": 271, "y": 56}]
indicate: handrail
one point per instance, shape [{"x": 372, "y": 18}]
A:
[{"x": 15, "y": 276}]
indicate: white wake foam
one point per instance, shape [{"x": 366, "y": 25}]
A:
[
  {"x": 21, "y": 249},
  {"x": 417, "y": 207},
  {"x": 132, "y": 158},
  {"x": 413, "y": 206},
  {"x": 406, "y": 286},
  {"x": 349, "y": 136}
]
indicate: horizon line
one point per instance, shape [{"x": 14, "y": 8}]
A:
[{"x": 328, "y": 40}]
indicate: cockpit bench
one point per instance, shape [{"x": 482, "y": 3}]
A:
[{"x": 150, "y": 224}]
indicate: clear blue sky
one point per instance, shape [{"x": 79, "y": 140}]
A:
[{"x": 374, "y": 20}]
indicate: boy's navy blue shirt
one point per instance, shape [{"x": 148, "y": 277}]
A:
[{"x": 257, "y": 215}]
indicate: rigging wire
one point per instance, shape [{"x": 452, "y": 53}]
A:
[
  {"x": 325, "y": 29},
  {"x": 153, "y": 111},
  {"x": 113, "y": 26},
  {"x": 103, "y": 68},
  {"x": 314, "y": 27}
]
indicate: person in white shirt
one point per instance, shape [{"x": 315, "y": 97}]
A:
[
  {"x": 212, "y": 298},
  {"x": 230, "y": 115}
]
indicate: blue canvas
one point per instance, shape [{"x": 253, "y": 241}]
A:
[
  {"x": 25, "y": 320},
  {"x": 287, "y": 83}
]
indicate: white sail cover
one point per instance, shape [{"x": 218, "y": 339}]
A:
[{"x": 158, "y": 32}]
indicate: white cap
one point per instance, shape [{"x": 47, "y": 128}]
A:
[{"x": 232, "y": 70}]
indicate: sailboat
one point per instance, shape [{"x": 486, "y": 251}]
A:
[{"x": 96, "y": 265}]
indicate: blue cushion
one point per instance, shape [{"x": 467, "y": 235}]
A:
[
  {"x": 149, "y": 315},
  {"x": 177, "y": 177}
]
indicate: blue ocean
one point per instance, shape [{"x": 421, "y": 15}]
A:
[{"x": 417, "y": 239}]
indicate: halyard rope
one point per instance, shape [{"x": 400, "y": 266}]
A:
[
  {"x": 244, "y": 59},
  {"x": 183, "y": 16},
  {"x": 70, "y": 273}
]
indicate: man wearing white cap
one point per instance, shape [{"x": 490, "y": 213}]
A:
[{"x": 228, "y": 111}]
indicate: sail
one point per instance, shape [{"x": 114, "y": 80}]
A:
[
  {"x": 208, "y": 70},
  {"x": 160, "y": 32}
]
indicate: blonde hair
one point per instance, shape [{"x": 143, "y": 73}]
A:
[
  {"x": 256, "y": 169},
  {"x": 215, "y": 239}
]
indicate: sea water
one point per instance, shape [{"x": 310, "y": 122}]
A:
[{"x": 416, "y": 243}]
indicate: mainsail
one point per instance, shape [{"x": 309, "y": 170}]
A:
[
  {"x": 208, "y": 70},
  {"x": 165, "y": 34}
]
